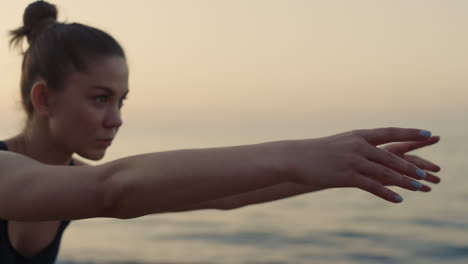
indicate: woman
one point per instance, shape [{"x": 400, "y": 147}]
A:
[{"x": 74, "y": 80}]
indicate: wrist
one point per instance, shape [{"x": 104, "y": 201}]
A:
[{"x": 279, "y": 160}]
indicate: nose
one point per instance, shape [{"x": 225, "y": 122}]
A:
[{"x": 113, "y": 119}]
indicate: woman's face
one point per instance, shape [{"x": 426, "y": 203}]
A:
[{"x": 85, "y": 116}]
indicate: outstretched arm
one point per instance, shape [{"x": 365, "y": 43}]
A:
[
  {"x": 191, "y": 178},
  {"x": 167, "y": 181}
]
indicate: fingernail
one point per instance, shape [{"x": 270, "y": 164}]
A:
[
  {"x": 398, "y": 199},
  {"x": 425, "y": 133},
  {"x": 421, "y": 173},
  {"x": 416, "y": 184}
]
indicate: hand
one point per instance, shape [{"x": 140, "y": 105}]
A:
[
  {"x": 400, "y": 150},
  {"x": 351, "y": 159}
]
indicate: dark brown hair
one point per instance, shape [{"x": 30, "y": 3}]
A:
[{"x": 56, "y": 49}]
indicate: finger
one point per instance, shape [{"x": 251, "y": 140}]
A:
[
  {"x": 394, "y": 162},
  {"x": 410, "y": 146},
  {"x": 379, "y": 136},
  {"x": 422, "y": 163},
  {"x": 432, "y": 178},
  {"x": 425, "y": 165},
  {"x": 419, "y": 144},
  {"x": 386, "y": 175},
  {"x": 369, "y": 185},
  {"x": 424, "y": 188}
]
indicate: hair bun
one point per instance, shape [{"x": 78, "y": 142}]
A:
[{"x": 38, "y": 14}]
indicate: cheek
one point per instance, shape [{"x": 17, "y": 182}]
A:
[
  {"x": 88, "y": 120},
  {"x": 80, "y": 124}
]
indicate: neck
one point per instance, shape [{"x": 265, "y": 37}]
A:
[{"x": 35, "y": 142}]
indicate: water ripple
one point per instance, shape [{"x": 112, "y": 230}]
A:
[
  {"x": 360, "y": 258},
  {"x": 258, "y": 239},
  {"x": 356, "y": 234},
  {"x": 439, "y": 223},
  {"x": 446, "y": 252}
]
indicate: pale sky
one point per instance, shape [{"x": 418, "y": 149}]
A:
[{"x": 248, "y": 59}]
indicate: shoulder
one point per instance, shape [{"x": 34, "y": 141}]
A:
[{"x": 80, "y": 162}]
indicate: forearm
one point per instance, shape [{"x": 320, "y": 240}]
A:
[
  {"x": 163, "y": 181},
  {"x": 267, "y": 194}
]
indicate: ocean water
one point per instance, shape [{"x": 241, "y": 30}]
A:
[{"x": 334, "y": 226}]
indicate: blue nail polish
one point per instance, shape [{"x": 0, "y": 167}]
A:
[
  {"x": 416, "y": 184},
  {"x": 398, "y": 199},
  {"x": 425, "y": 133},
  {"x": 421, "y": 173}
]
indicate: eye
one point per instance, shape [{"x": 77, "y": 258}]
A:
[{"x": 101, "y": 98}]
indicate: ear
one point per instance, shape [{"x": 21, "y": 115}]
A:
[{"x": 40, "y": 98}]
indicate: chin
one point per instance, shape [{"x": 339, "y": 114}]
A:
[{"x": 92, "y": 155}]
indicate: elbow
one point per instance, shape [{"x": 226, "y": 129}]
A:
[
  {"x": 110, "y": 191},
  {"x": 122, "y": 199},
  {"x": 110, "y": 201}
]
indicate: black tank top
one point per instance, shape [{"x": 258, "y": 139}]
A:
[{"x": 8, "y": 254}]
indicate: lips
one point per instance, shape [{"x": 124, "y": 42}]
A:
[{"x": 104, "y": 142}]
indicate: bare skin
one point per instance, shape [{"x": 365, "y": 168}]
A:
[{"x": 166, "y": 181}]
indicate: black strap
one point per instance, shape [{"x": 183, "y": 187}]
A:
[{"x": 3, "y": 146}]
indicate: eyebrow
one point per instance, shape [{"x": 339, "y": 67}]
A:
[{"x": 107, "y": 89}]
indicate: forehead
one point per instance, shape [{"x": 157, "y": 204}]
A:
[{"x": 106, "y": 71}]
